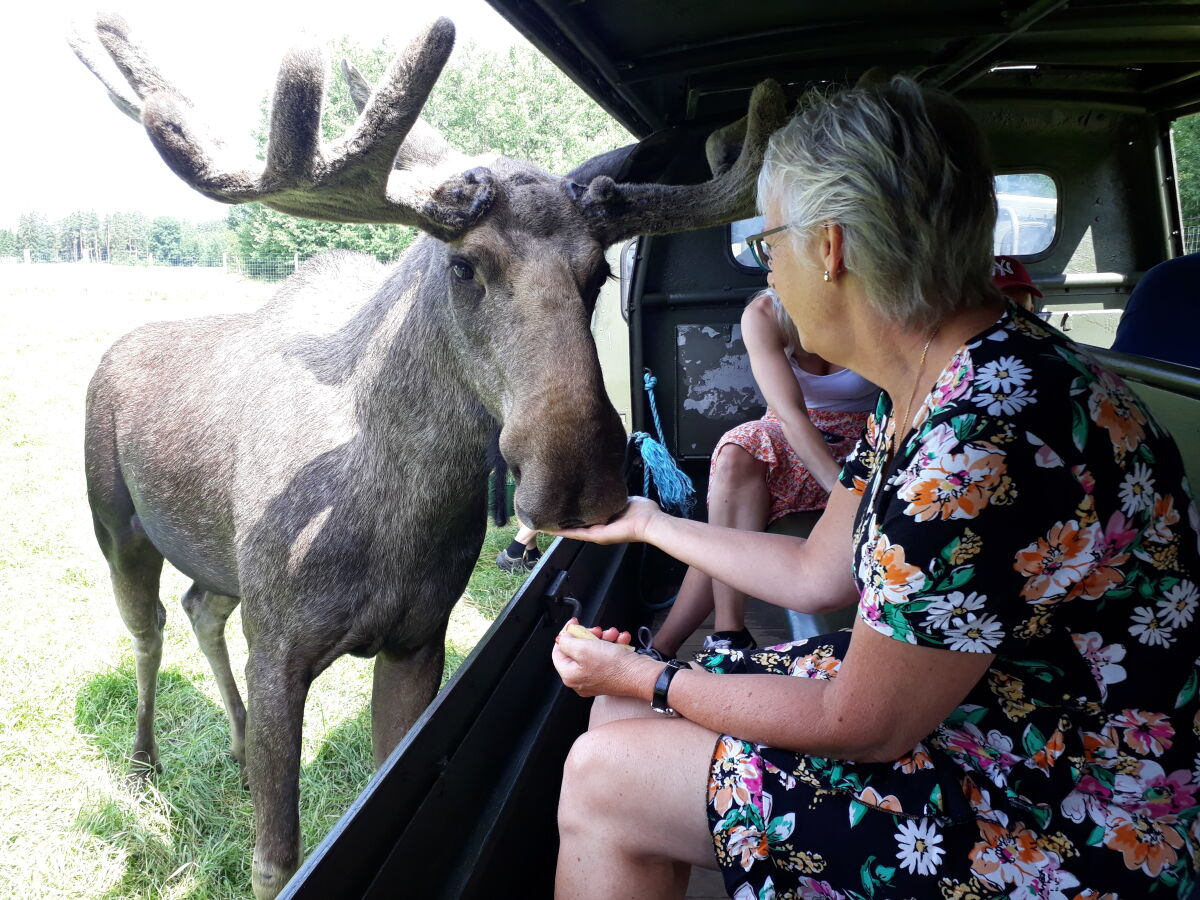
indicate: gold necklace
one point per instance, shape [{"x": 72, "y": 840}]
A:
[{"x": 912, "y": 396}]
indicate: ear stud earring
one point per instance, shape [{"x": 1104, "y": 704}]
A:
[{"x": 827, "y": 278}]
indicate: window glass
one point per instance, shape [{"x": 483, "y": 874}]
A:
[
  {"x": 738, "y": 232},
  {"x": 1185, "y": 140},
  {"x": 1027, "y": 214}
]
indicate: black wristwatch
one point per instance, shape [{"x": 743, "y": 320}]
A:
[{"x": 659, "y": 701}]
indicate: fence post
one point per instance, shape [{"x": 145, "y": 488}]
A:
[
  {"x": 295, "y": 261},
  {"x": 28, "y": 254},
  {"x": 225, "y": 261}
]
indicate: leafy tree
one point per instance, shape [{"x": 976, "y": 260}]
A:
[
  {"x": 515, "y": 102},
  {"x": 78, "y": 236},
  {"x": 519, "y": 104},
  {"x": 1186, "y": 137},
  {"x": 210, "y": 242},
  {"x": 166, "y": 240},
  {"x": 8, "y": 243},
  {"x": 126, "y": 237},
  {"x": 36, "y": 234}
]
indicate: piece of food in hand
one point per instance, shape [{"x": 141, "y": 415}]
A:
[{"x": 580, "y": 632}]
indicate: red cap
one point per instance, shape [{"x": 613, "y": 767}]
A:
[{"x": 1007, "y": 272}]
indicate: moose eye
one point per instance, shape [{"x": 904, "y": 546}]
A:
[{"x": 461, "y": 270}]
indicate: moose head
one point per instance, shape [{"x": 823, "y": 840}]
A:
[{"x": 518, "y": 257}]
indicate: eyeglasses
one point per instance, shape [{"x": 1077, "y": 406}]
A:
[{"x": 760, "y": 249}]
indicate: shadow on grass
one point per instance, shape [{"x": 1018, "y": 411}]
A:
[{"x": 191, "y": 829}]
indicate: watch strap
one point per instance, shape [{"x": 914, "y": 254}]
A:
[{"x": 658, "y": 701}]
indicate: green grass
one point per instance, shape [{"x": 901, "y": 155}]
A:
[{"x": 71, "y": 823}]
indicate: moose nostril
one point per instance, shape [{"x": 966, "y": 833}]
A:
[{"x": 516, "y": 472}]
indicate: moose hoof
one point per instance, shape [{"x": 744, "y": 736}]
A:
[
  {"x": 144, "y": 765},
  {"x": 269, "y": 878},
  {"x": 268, "y": 886}
]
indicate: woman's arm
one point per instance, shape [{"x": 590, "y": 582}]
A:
[
  {"x": 887, "y": 695},
  {"x": 810, "y": 576},
  {"x": 773, "y": 373}
]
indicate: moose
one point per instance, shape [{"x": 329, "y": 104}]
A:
[{"x": 301, "y": 459}]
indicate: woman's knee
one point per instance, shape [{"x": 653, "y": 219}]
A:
[
  {"x": 590, "y": 774},
  {"x": 735, "y": 466}
]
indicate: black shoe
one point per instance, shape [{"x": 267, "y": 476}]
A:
[
  {"x": 526, "y": 562},
  {"x": 646, "y": 639},
  {"x": 731, "y": 640}
]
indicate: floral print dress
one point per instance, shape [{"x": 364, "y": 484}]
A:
[{"x": 1038, "y": 513}]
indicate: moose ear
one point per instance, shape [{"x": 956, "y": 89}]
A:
[{"x": 640, "y": 163}]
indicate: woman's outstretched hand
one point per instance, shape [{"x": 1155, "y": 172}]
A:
[
  {"x": 628, "y": 527},
  {"x": 593, "y": 667}
]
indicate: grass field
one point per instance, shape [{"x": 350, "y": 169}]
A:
[{"x": 71, "y": 823}]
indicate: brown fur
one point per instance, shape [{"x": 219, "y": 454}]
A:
[{"x": 322, "y": 460}]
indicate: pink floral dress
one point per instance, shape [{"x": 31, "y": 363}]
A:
[
  {"x": 1040, "y": 514},
  {"x": 790, "y": 486}
]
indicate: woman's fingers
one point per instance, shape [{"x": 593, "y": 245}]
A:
[
  {"x": 629, "y": 526},
  {"x": 591, "y": 661}
]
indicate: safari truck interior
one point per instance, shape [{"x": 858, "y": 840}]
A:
[{"x": 1077, "y": 101}]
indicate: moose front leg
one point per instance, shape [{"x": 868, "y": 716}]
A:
[
  {"x": 405, "y": 682},
  {"x": 277, "y": 684}
]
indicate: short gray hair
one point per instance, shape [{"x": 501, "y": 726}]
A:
[{"x": 906, "y": 173}]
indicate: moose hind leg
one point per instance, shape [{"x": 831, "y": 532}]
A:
[
  {"x": 277, "y": 684},
  {"x": 135, "y": 571},
  {"x": 404, "y": 683},
  {"x": 208, "y": 613}
]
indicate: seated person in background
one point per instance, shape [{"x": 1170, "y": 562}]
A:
[
  {"x": 1015, "y": 713},
  {"x": 787, "y": 461},
  {"x": 522, "y": 553},
  {"x": 1014, "y": 282}
]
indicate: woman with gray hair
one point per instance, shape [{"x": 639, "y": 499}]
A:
[{"x": 1010, "y": 715}]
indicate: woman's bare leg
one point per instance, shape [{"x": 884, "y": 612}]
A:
[
  {"x": 738, "y": 498},
  {"x": 692, "y": 605},
  {"x": 631, "y": 816}
]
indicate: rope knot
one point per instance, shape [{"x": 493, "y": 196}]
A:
[{"x": 675, "y": 489}]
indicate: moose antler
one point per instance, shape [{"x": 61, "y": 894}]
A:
[
  {"x": 617, "y": 211},
  {"x": 370, "y": 175}
]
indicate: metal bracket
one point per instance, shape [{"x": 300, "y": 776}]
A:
[{"x": 560, "y": 606}]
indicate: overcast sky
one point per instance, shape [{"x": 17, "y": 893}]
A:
[{"x": 64, "y": 146}]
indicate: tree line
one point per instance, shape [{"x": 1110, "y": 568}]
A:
[
  {"x": 123, "y": 237},
  {"x": 514, "y": 102},
  {"x": 1185, "y": 135}
]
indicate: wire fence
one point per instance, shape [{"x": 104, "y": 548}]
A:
[
  {"x": 1191, "y": 235},
  {"x": 257, "y": 268},
  {"x": 277, "y": 268}
]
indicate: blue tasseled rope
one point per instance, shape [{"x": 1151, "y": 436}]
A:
[{"x": 675, "y": 489}]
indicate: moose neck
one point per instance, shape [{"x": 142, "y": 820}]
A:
[{"x": 415, "y": 404}]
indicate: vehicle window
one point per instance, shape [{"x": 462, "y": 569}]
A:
[
  {"x": 738, "y": 232},
  {"x": 1026, "y": 220},
  {"x": 1185, "y": 140},
  {"x": 1026, "y": 215}
]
